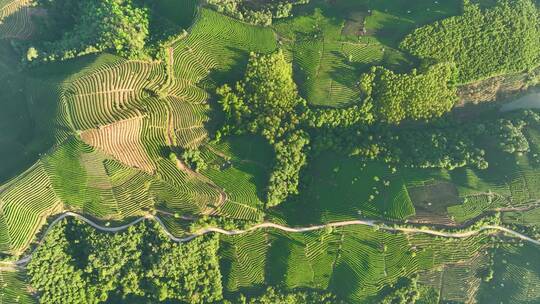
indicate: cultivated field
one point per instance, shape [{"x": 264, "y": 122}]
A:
[{"x": 104, "y": 136}]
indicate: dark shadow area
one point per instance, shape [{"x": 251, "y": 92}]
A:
[
  {"x": 29, "y": 100},
  {"x": 169, "y": 17}
]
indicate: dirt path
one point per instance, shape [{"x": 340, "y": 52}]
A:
[
  {"x": 226, "y": 157},
  {"x": 371, "y": 223},
  {"x": 171, "y": 141},
  {"x": 222, "y": 194}
]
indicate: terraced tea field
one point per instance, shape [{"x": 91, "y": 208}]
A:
[{"x": 114, "y": 142}]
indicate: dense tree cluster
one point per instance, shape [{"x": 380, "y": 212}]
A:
[
  {"x": 205, "y": 221},
  {"x": 92, "y": 26},
  {"x": 429, "y": 147},
  {"x": 266, "y": 102},
  {"x": 447, "y": 143},
  {"x": 194, "y": 159},
  {"x": 339, "y": 117},
  {"x": 511, "y": 136},
  {"x": 277, "y": 296},
  {"x": 406, "y": 293},
  {"x": 290, "y": 158},
  {"x": 447, "y": 148},
  {"x": 483, "y": 43},
  {"x": 256, "y": 12},
  {"x": 412, "y": 96},
  {"x": 77, "y": 264}
]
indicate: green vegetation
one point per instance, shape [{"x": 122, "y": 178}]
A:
[
  {"x": 194, "y": 160},
  {"x": 513, "y": 266},
  {"x": 272, "y": 296},
  {"x": 256, "y": 12},
  {"x": 95, "y": 26},
  {"x": 266, "y": 102},
  {"x": 141, "y": 264},
  {"x": 28, "y": 103},
  {"x": 202, "y": 118},
  {"x": 79, "y": 265},
  {"x": 478, "y": 41},
  {"x": 410, "y": 96},
  {"x": 14, "y": 288}
]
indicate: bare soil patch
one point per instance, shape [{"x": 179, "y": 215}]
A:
[{"x": 431, "y": 202}]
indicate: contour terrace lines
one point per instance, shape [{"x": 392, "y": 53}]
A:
[{"x": 372, "y": 223}]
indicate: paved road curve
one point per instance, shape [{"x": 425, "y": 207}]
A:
[{"x": 23, "y": 261}]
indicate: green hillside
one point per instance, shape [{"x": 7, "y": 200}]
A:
[{"x": 288, "y": 151}]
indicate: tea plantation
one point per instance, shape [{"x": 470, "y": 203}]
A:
[{"x": 288, "y": 151}]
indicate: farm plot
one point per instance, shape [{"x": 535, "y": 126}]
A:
[
  {"x": 68, "y": 176},
  {"x": 110, "y": 91},
  {"x": 13, "y": 288},
  {"x": 288, "y": 263},
  {"x": 25, "y": 204},
  {"x": 431, "y": 201},
  {"x": 516, "y": 277},
  {"x": 339, "y": 188},
  {"x": 447, "y": 197},
  {"x": 94, "y": 165},
  {"x": 476, "y": 205},
  {"x": 355, "y": 262},
  {"x": 179, "y": 191},
  {"x": 525, "y": 218},
  {"x": 187, "y": 123},
  {"x": 122, "y": 141},
  {"x": 216, "y": 45},
  {"x": 16, "y": 19},
  {"x": 368, "y": 261},
  {"x": 332, "y": 43},
  {"x": 243, "y": 260},
  {"x": 240, "y": 167},
  {"x": 130, "y": 189},
  {"x": 323, "y": 73},
  {"x": 460, "y": 282}
]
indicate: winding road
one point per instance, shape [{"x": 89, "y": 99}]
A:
[{"x": 4, "y": 266}]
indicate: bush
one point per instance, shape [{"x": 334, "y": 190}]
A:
[{"x": 194, "y": 159}]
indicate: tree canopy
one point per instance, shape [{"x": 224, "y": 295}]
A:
[
  {"x": 77, "y": 264},
  {"x": 91, "y": 26},
  {"x": 256, "y": 12},
  {"x": 266, "y": 102},
  {"x": 277, "y": 296},
  {"x": 483, "y": 43},
  {"x": 413, "y": 96}
]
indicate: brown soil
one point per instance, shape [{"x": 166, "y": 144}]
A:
[{"x": 431, "y": 201}]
